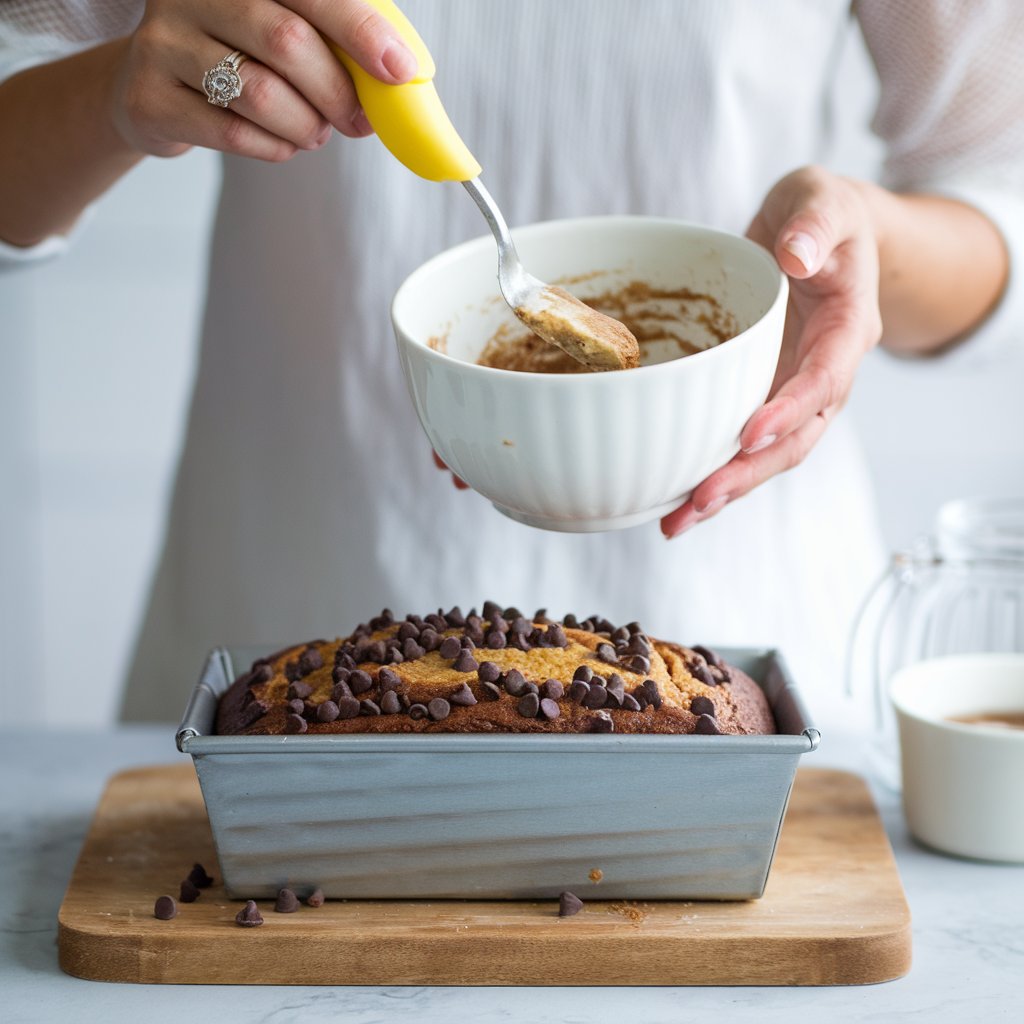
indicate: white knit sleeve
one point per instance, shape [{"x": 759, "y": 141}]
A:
[
  {"x": 951, "y": 114},
  {"x": 36, "y": 32}
]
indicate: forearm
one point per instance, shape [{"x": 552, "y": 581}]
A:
[
  {"x": 59, "y": 149},
  {"x": 943, "y": 266}
]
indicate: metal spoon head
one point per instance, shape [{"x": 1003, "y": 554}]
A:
[{"x": 596, "y": 340}]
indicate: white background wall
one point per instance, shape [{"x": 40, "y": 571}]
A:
[{"x": 97, "y": 352}]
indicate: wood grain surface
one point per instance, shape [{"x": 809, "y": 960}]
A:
[{"x": 833, "y": 913}]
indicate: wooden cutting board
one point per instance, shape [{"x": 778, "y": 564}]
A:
[{"x": 833, "y": 913}]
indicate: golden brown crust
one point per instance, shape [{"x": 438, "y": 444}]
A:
[{"x": 310, "y": 674}]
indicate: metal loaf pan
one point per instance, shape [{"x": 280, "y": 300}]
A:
[{"x": 497, "y": 816}]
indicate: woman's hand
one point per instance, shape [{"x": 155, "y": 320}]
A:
[
  {"x": 294, "y": 89},
  {"x": 821, "y": 229}
]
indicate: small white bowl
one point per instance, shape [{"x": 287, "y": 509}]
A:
[
  {"x": 963, "y": 783},
  {"x": 590, "y": 451}
]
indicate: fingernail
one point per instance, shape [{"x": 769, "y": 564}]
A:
[
  {"x": 680, "y": 524},
  {"x": 399, "y": 62},
  {"x": 760, "y": 444},
  {"x": 711, "y": 506},
  {"x": 804, "y": 248},
  {"x": 323, "y": 138},
  {"x": 361, "y": 123}
]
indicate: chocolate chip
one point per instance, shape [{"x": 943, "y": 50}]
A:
[
  {"x": 520, "y": 626},
  {"x": 630, "y": 703},
  {"x": 708, "y": 655},
  {"x": 602, "y": 625},
  {"x": 568, "y": 904},
  {"x": 532, "y": 687},
  {"x": 315, "y": 898},
  {"x": 515, "y": 683},
  {"x": 165, "y": 908},
  {"x": 556, "y": 636},
  {"x": 490, "y": 691},
  {"x": 584, "y": 672},
  {"x": 529, "y": 705},
  {"x": 475, "y": 633},
  {"x": 587, "y": 626},
  {"x": 602, "y": 722},
  {"x": 199, "y": 878},
  {"x": 463, "y": 696},
  {"x": 491, "y": 609},
  {"x": 369, "y": 707},
  {"x": 287, "y": 902},
  {"x": 616, "y": 690},
  {"x": 488, "y": 672},
  {"x": 188, "y": 892},
  {"x": 437, "y": 622},
  {"x": 310, "y": 661},
  {"x": 620, "y": 635},
  {"x": 412, "y": 650},
  {"x": 467, "y": 642},
  {"x": 388, "y": 679},
  {"x": 249, "y": 916},
  {"x": 552, "y": 688},
  {"x": 389, "y": 703},
  {"x": 327, "y": 711},
  {"x": 360, "y": 681},
  {"x": 639, "y": 664},
  {"x": 634, "y": 627},
  {"x": 640, "y": 696},
  {"x": 607, "y": 654},
  {"x": 309, "y": 710},
  {"x": 455, "y": 618},
  {"x": 418, "y": 711},
  {"x": 430, "y": 639},
  {"x": 407, "y": 631},
  {"x": 465, "y": 662},
  {"x": 652, "y": 693},
  {"x": 438, "y": 709},
  {"x": 702, "y": 706},
  {"x": 598, "y": 681},
  {"x": 541, "y": 616},
  {"x": 297, "y": 707},
  {"x": 519, "y": 641},
  {"x": 451, "y": 647},
  {"x": 394, "y": 656},
  {"x": 299, "y": 691},
  {"x": 291, "y": 671},
  {"x": 495, "y": 640},
  {"x": 295, "y": 724},
  {"x": 348, "y": 707},
  {"x": 415, "y": 620},
  {"x": 549, "y": 708},
  {"x": 571, "y": 622},
  {"x": 262, "y": 674},
  {"x": 512, "y": 612},
  {"x": 340, "y": 691},
  {"x": 578, "y": 691},
  {"x": 382, "y": 621},
  {"x": 339, "y": 674},
  {"x": 597, "y": 697},
  {"x": 707, "y": 726},
  {"x": 702, "y": 672},
  {"x": 345, "y": 661},
  {"x": 499, "y": 623}
]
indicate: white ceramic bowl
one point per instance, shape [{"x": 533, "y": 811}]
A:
[
  {"x": 963, "y": 784},
  {"x": 590, "y": 451}
]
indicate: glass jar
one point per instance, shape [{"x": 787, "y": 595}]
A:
[{"x": 959, "y": 591}]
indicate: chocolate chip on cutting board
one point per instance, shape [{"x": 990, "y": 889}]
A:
[
  {"x": 249, "y": 916},
  {"x": 199, "y": 878},
  {"x": 287, "y": 902},
  {"x": 188, "y": 892},
  {"x": 165, "y": 908},
  {"x": 568, "y": 904}
]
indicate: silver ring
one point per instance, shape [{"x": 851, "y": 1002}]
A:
[{"x": 222, "y": 83}]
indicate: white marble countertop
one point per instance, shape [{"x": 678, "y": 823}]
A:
[{"x": 968, "y": 923}]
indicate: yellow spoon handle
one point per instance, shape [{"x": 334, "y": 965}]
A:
[{"x": 410, "y": 119}]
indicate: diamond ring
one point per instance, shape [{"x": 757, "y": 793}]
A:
[{"x": 222, "y": 83}]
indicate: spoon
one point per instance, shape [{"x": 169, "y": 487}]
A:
[{"x": 412, "y": 123}]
